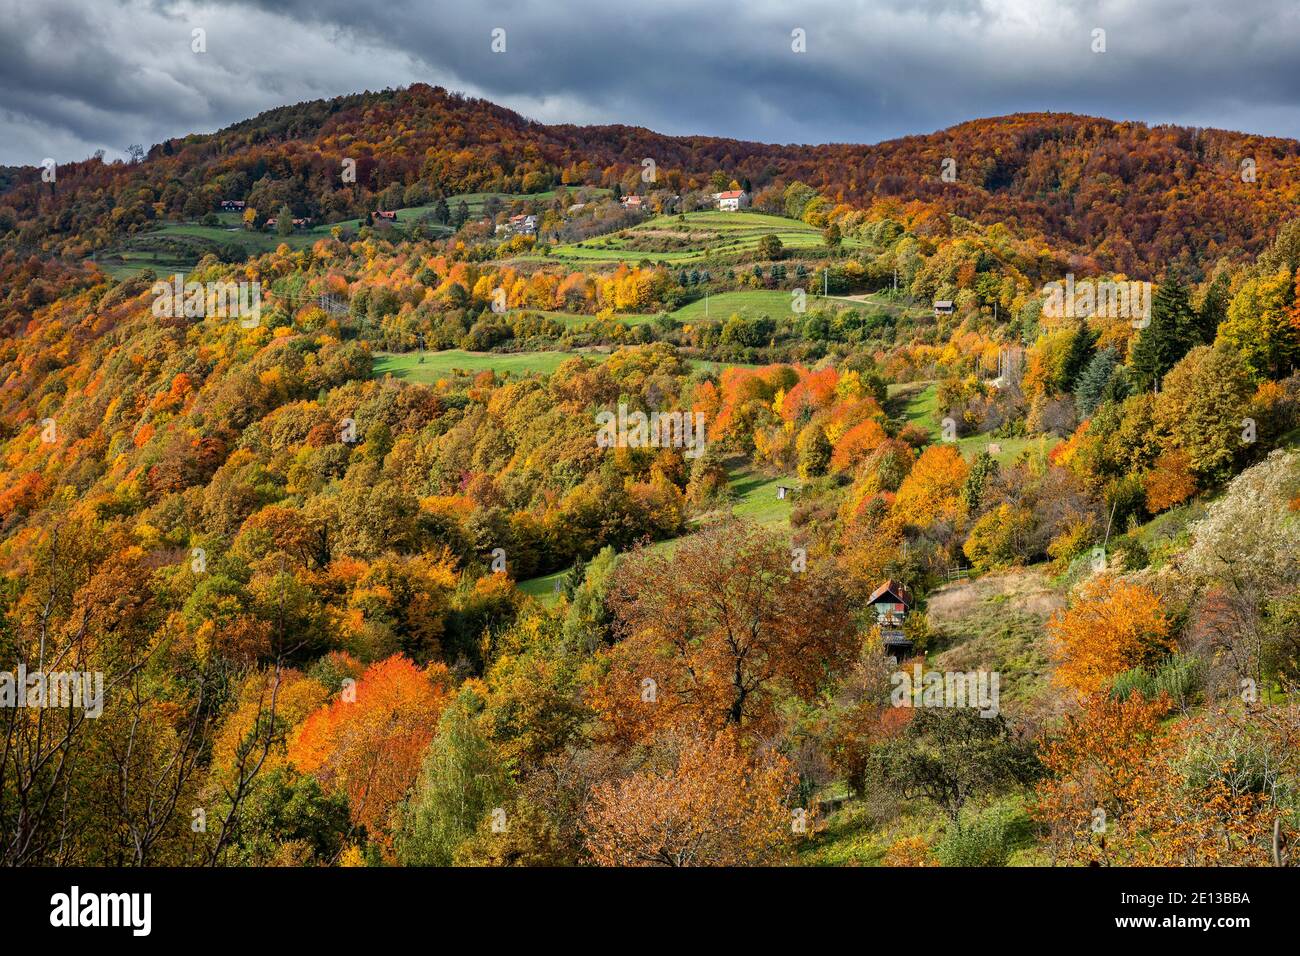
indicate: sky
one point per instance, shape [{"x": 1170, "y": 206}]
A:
[{"x": 77, "y": 76}]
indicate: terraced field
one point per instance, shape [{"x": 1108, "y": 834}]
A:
[
  {"x": 692, "y": 237},
  {"x": 176, "y": 246}
]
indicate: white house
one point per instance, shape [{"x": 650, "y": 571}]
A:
[
  {"x": 732, "y": 200},
  {"x": 522, "y": 225}
]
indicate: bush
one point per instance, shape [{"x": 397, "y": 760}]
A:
[
  {"x": 985, "y": 840},
  {"x": 1136, "y": 680},
  {"x": 1181, "y": 676}
]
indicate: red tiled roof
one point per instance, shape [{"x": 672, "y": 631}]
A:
[
  {"x": 894, "y": 589},
  {"x": 732, "y": 194}
]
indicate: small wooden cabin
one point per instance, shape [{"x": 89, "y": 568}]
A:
[{"x": 892, "y": 601}]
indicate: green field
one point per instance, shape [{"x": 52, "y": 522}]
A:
[
  {"x": 918, "y": 402},
  {"x": 752, "y": 303},
  {"x": 756, "y": 500},
  {"x": 476, "y": 201},
  {"x": 428, "y": 367},
  {"x": 693, "y": 237},
  {"x": 574, "y": 320}
]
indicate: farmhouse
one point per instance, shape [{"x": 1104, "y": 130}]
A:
[
  {"x": 523, "y": 225},
  {"x": 232, "y": 205},
  {"x": 892, "y": 601},
  {"x": 942, "y": 307},
  {"x": 732, "y": 199},
  {"x": 634, "y": 202},
  {"x": 387, "y": 215}
]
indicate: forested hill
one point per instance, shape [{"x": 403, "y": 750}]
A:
[{"x": 1122, "y": 196}]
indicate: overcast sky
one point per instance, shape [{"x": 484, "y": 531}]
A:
[{"x": 81, "y": 75}]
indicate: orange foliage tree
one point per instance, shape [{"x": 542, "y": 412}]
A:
[
  {"x": 1170, "y": 482},
  {"x": 368, "y": 744},
  {"x": 718, "y": 631},
  {"x": 703, "y": 801},
  {"x": 1126, "y": 789},
  {"x": 1112, "y": 626},
  {"x": 932, "y": 489}
]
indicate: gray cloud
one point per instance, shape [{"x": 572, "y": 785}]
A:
[{"x": 80, "y": 75}]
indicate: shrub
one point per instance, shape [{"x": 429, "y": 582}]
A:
[
  {"x": 909, "y": 851},
  {"x": 1181, "y": 676},
  {"x": 986, "y": 840}
]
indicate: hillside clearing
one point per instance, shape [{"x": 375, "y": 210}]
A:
[{"x": 997, "y": 623}]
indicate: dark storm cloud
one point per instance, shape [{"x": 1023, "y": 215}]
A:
[{"x": 76, "y": 75}]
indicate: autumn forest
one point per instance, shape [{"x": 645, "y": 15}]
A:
[{"x": 584, "y": 496}]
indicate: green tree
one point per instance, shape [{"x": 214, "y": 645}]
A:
[
  {"x": 1077, "y": 355},
  {"x": 814, "y": 452},
  {"x": 949, "y": 755},
  {"x": 1214, "y": 308},
  {"x": 284, "y": 221},
  {"x": 797, "y": 198},
  {"x": 1171, "y": 332},
  {"x": 289, "y": 820},
  {"x": 1103, "y": 379},
  {"x": 984, "y": 467},
  {"x": 832, "y": 236},
  {"x": 460, "y": 783},
  {"x": 1201, "y": 407},
  {"x": 587, "y": 622},
  {"x": 1263, "y": 326}
]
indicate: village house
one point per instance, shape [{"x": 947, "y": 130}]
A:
[
  {"x": 516, "y": 226},
  {"x": 892, "y": 602},
  {"x": 232, "y": 205},
  {"x": 636, "y": 203},
  {"x": 942, "y": 307},
  {"x": 731, "y": 200},
  {"x": 383, "y": 215}
]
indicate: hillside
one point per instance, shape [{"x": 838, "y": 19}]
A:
[
  {"x": 1121, "y": 196},
  {"x": 643, "y": 516}
]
